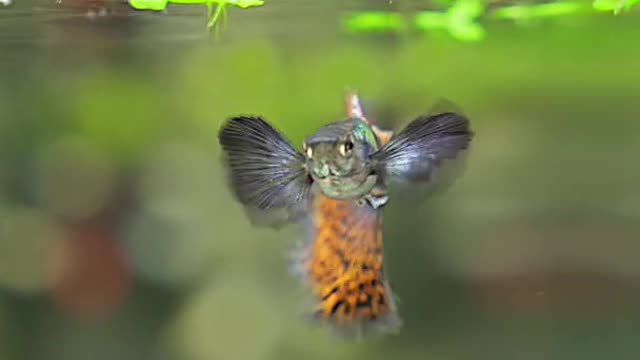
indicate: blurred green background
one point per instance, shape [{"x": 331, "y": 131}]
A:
[{"x": 120, "y": 240}]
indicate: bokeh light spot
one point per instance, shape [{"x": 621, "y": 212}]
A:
[
  {"x": 221, "y": 320},
  {"x": 89, "y": 276},
  {"x": 73, "y": 178},
  {"x": 27, "y": 238},
  {"x": 169, "y": 251}
]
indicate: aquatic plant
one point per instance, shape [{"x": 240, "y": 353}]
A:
[
  {"x": 216, "y": 9},
  {"x": 614, "y": 5},
  {"x": 462, "y": 18}
]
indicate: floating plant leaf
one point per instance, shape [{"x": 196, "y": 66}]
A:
[
  {"x": 469, "y": 32},
  {"x": 374, "y": 21},
  {"x": 462, "y": 23},
  {"x": 156, "y": 5},
  {"x": 220, "y": 10},
  {"x": 525, "y": 12},
  {"x": 431, "y": 20},
  {"x": 162, "y": 4},
  {"x": 459, "y": 20},
  {"x": 467, "y": 9},
  {"x": 245, "y": 4},
  {"x": 614, "y": 5},
  {"x": 216, "y": 8}
]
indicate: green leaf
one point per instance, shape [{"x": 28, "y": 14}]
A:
[
  {"x": 614, "y": 5},
  {"x": 243, "y": 3},
  {"x": 468, "y": 32},
  {"x": 430, "y": 20},
  {"x": 526, "y": 12},
  {"x": 188, "y": 1},
  {"x": 156, "y": 5},
  {"x": 467, "y": 8},
  {"x": 459, "y": 20},
  {"x": 374, "y": 21},
  {"x": 162, "y": 4}
]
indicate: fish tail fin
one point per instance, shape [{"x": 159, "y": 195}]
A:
[{"x": 358, "y": 305}]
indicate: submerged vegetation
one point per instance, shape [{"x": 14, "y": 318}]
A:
[
  {"x": 216, "y": 9},
  {"x": 463, "y": 20},
  {"x": 462, "y": 17}
]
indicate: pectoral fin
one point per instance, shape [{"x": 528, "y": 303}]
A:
[
  {"x": 415, "y": 154},
  {"x": 266, "y": 173}
]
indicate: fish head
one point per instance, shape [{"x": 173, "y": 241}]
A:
[{"x": 338, "y": 158}]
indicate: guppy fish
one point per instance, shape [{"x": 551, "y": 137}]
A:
[{"x": 337, "y": 187}]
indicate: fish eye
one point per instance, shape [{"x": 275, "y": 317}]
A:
[
  {"x": 346, "y": 148},
  {"x": 307, "y": 150}
]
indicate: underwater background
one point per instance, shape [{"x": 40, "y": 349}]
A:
[{"x": 119, "y": 238}]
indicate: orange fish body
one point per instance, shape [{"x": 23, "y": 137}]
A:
[{"x": 343, "y": 263}]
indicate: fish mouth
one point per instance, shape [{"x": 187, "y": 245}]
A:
[
  {"x": 328, "y": 170},
  {"x": 334, "y": 172},
  {"x": 349, "y": 187}
]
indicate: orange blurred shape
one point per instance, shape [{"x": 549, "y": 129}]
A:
[{"x": 89, "y": 276}]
